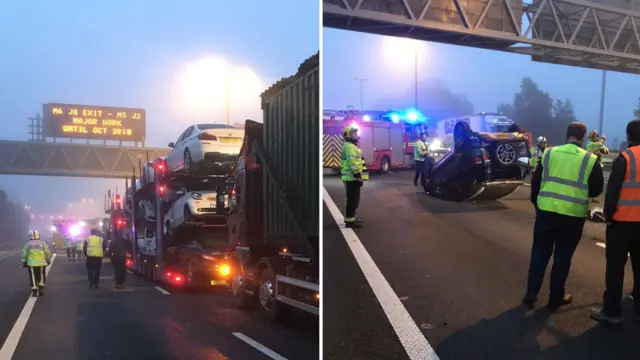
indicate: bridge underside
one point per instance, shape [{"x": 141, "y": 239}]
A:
[
  {"x": 74, "y": 160},
  {"x": 568, "y": 32}
]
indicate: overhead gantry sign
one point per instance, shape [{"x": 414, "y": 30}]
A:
[{"x": 77, "y": 160}]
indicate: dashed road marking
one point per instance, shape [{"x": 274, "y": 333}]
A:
[
  {"x": 10, "y": 255},
  {"x": 256, "y": 345},
  {"x": 159, "y": 289},
  {"x": 412, "y": 339},
  {"x": 11, "y": 343}
]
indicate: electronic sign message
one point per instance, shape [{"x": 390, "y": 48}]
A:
[{"x": 93, "y": 122}]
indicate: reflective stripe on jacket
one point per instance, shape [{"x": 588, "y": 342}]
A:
[
  {"x": 94, "y": 246},
  {"x": 352, "y": 163},
  {"x": 35, "y": 253},
  {"x": 629, "y": 203},
  {"x": 420, "y": 150},
  {"x": 565, "y": 176}
]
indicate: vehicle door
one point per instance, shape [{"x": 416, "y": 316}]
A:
[{"x": 175, "y": 157}]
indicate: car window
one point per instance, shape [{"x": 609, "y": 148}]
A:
[
  {"x": 187, "y": 133},
  {"x": 181, "y": 137},
  {"x": 214, "y": 126}
]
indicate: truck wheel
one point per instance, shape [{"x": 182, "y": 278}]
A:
[
  {"x": 385, "y": 164},
  {"x": 272, "y": 309}
]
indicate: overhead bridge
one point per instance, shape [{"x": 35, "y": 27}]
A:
[
  {"x": 603, "y": 35},
  {"x": 75, "y": 160}
]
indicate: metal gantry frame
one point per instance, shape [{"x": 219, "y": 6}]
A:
[
  {"x": 569, "y": 32},
  {"x": 76, "y": 160}
]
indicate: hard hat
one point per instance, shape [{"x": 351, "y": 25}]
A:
[
  {"x": 541, "y": 139},
  {"x": 346, "y": 132},
  {"x": 593, "y": 135},
  {"x": 34, "y": 235}
]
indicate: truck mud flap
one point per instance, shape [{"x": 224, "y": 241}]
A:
[{"x": 496, "y": 190}]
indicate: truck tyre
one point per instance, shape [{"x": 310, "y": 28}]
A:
[
  {"x": 385, "y": 164},
  {"x": 273, "y": 310},
  {"x": 188, "y": 216}
]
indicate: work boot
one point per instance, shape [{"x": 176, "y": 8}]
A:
[
  {"x": 90, "y": 285},
  {"x": 529, "y": 300},
  {"x": 40, "y": 292},
  {"x": 554, "y": 304},
  {"x": 118, "y": 286},
  {"x": 95, "y": 286},
  {"x": 353, "y": 224},
  {"x": 34, "y": 293},
  {"x": 600, "y": 316}
]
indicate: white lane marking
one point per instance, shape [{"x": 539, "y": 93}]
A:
[
  {"x": 412, "y": 339},
  {"x": 11, "y": 343},
  {"x": 601, "y": 244},
  {"x": 159, "y": 289},
  {"x": 10, "y": 255},
  {"x": 130, "y": 272},
  {"x": 256, "y": 345}
]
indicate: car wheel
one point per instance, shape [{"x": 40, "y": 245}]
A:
[
  {"x": 187, "y": 161},
  {"x": 188, "y": 216}
]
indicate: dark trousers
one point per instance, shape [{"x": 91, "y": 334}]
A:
[
  {"x": 37, "y": 276},
  {"x": 353, "y": 198},
  {"x": 94, "y": 265},
  {"x": 557, "y": 235},
  {"x": 119, "y": 270},
  {"x": 420, "y": 169},
  {"x": 623, "y": 238},
  {"x": 71, "y": 253}
]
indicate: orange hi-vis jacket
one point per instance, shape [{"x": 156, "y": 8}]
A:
[{"x": 629, "y": 203}]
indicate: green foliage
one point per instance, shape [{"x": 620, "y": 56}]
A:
[
  {"x": 14, "y": 220},
  {"x": 536, "y": 111}
]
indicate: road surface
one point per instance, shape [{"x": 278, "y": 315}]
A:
[
  {"x": 140, "y": 322},
  {"x": 459, "y": 270}
]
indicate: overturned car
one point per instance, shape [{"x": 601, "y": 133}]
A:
[{"x": 480, "y": 166}]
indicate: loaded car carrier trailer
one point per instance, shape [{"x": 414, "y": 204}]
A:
[{"x": 275, "y": 223}]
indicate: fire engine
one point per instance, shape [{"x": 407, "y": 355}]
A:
[{"x": 386, "y": 137}]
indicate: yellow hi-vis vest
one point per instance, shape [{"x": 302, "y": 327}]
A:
[
  {"x": 420, "y": 150},
  {"x": 565, "y": 175},
  {"x": 94, "y": 246},
  {"x": 35, "y": 253},
  {"x": 352, "y": 163},
  {"x": 79, "y": 245}
]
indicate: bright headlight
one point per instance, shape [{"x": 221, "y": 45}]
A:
[{"x": 435, "y": 145}]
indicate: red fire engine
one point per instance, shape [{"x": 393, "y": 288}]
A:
[{"x": 386, "y": 137}]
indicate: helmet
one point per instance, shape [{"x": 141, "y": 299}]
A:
[
  {"x": 603, "y": 137},
  {"x": 541, "y": 139},
  {"x": 346, "y": 132},
  {"x": 34, "y": 235},
  {"x": 593, "y": 135}
]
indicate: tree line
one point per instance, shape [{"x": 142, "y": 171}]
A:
[
  {"x": 537, "y": 112},
  {"x": 14, "y": 221}
]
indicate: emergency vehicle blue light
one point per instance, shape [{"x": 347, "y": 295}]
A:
[
  {"x": 395, "y": 118},
  {"x": 366, "y": 118},
  {"x": 412, "y": 116}
]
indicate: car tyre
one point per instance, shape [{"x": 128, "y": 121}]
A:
[
  {"x": 385, "y": 164},
  {"x": 188, "y": 162},
  {"x": 188, "y": 215}
]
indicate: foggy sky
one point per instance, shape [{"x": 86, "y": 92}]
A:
[
  {"x": 127, "y": 53},
  {"x": 487, "y": 77}
]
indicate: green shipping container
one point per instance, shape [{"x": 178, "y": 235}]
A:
[{"x": 291, "y": 118}]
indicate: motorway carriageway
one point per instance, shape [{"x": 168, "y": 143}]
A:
[
  {"x": 429, "y": 279},
  {"x": 143, "y": 321}
]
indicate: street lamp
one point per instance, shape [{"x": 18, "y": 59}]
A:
[
  {"x": 361, "y": 81},
  {"x": 395, "y": 51}
]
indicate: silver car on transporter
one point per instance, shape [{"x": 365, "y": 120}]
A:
[{"x": 202, "y": 146}]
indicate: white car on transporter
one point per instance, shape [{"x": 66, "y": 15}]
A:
[
  {"x": 194, "y": 206},
  {"x": 204, "y": 144}
]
